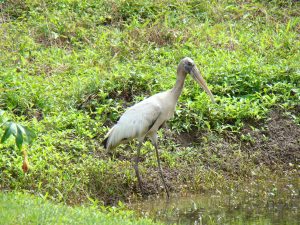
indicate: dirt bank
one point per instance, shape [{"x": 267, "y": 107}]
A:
[{"x": 210, "y": 161}]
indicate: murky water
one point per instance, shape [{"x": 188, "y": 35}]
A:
[{"x": 274, "y": 205}]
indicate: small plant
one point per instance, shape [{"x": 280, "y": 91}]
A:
[{"x": 21, "y": 133}]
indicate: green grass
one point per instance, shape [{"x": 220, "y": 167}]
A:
[
  {"x": 17, "y": 208},
  {"x": 69, "y": 69}
]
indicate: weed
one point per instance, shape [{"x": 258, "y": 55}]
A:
[{"x": 69, "y": 69}]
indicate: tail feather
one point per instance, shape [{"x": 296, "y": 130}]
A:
[
  {"x": 105, "y": 142},
  {"x": 117, "y": 134}
]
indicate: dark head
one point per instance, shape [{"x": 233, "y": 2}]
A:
[
  {"x": 188, "y": 64},
  {"x": 189, "y": 67}
]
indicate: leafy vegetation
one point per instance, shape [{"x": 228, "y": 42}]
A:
[
  {"x": 22, "y": 134},
  {"x": 70, "y": 68},
  {"x": 17, "y": 208}
]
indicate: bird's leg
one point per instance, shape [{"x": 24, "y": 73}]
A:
[
  {"x": 160, "y": 171},
  {"x": 136, "y": 166}
]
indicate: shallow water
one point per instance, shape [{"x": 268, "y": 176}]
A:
[{"x": 274, "y": 205}]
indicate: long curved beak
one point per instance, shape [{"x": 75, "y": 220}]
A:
[{"x": 200, "y": 80}]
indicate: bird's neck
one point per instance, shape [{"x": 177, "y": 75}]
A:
[{"x": 177, "y": 89}]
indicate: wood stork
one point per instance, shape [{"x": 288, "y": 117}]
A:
[{"x": 146, "y": 117}]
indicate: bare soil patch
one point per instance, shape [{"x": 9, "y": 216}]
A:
[
  {"x": 276, "y": 140},
  {"x": 206, "y": 161}
]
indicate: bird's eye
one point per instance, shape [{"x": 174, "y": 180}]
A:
[{"x": 190, "y": 64}]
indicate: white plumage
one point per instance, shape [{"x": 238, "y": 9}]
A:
[
  {"x": 146, "y": 117},
  {"x": 137, "y": 121}
]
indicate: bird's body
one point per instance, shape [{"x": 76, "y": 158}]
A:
[
  {"x": 143, "y": 119},
  {"x": 146, "y": 117}
]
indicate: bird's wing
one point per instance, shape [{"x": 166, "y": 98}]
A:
[{"x": 134, "y": 123}]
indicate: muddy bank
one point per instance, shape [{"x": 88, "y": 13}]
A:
[
  {"x": 199, "y": 162},
  {"x": 276, "y": 141}
]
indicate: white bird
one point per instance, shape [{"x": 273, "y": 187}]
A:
[{"x": 146, "y": 117}]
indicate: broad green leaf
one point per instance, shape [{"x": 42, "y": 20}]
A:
[
  {"x": 11, "y": 129},
  {"x": 19, "y": 138},
  {"x": 20, "y": 132},
  {"x": 6, "y": 135},
  {"x": 20, "y": 129},
  {"x": 27, "y": 133},
  {"x": 30, "y": 135}
]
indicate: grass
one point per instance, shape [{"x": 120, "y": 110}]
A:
[
  {"x": 18, "y": 208},
  {"x": 70, "y": 68}
]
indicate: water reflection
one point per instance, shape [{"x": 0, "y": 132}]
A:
[{"x": 276, "y": 205}]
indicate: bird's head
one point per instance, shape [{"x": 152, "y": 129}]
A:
[{"x": 189, "y": 67}]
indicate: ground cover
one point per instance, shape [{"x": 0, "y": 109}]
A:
[{"x": 70, "y": 68}]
